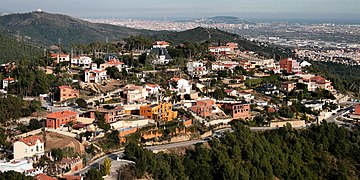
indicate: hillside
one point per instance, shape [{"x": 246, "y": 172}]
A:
[
  {"x": 195, "y": 35},
  {"x": 45, "y": 29},
  {"x": 12, "y": 50},
  {"x": 213, "y": 36}
]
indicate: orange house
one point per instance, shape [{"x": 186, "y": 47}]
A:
[
  {"x": 66, "y": 92},
  {"x": 203, "y": 108},
  {"x": 110, "y": 115},
  {"x": 238, "y": 110},
  {"x": 56, "y": 119},
  {"x": 158, "y": 112}
]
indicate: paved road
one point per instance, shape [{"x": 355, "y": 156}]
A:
[
  {"x": 338, "y": 114},
  {"x": 115, "y": 163}
]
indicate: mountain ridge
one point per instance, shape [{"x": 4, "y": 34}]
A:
[{"x": 47, "y": 28}]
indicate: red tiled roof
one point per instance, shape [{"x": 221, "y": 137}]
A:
[
  {"x": 271, "y": 110},
  {"x": 318, "y": 79},
  {"x": 218, "y": 47},
  {"x": 65, "y": 87},
  {"x": 160, "y": 43},
  {"x": 229, "y": 90},
  {"x": 70, "y": 177},
  {"x": 152, "y": 85},
  {"x": 99, "y": 71},
  {"x": 8, "y": 79},
  {"x": 114, "y": 62},
  {"x": 61, "y": 55},
  {"x": 31, "y": 140},
  {"x": 66, "y": 113},
  {"x": 44, "y": 177}
]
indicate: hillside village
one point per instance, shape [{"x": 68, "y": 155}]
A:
[{"x": 104, "y": 95}]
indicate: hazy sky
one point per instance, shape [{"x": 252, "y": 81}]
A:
[{"x": 191, "y": 8}]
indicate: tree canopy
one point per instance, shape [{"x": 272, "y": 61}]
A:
[{"x": 320, "y": 152}]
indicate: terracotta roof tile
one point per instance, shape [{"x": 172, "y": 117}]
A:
[
  {"x": 66, "y": 113},
  {"x": 31, "y": 140},
  {"x": 44, "y": 177}
]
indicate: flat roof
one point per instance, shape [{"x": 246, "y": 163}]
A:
[{"x": 84, "y": 120}]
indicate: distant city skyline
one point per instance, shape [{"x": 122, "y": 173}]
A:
[{"x": 274, "y": 9}]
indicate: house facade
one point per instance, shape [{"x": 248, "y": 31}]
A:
[
  {"x": 57, "y": 119},
  {"x": 180, "y": 86},
  {"x": 203, "y": 108},
  {"x": 113, "y": 63},
  {"x": 196, "y": 69},
  {"x": 162, "y": 57},
  {"x": 83, "y": 62},
  {"x": 134, "y": 93},
  {"x": 238, "y": 110},
  {"x": 162, "y": 111},
  {"x": 219, "y": 50},
  {"x": 6, "y": 82},
  {"x": 316, "y": 82},
  {"x": 288, "y": 86},
  {"x": 58, "y": 58},
  {"x": 95, "y": 76},
  {"x": 290, "y": 65},
  {"x": 67, "y": 92},
  {"x": 110, "y": 115},
  {"x": 152, "y": 88},
  {"x": 29, "y": 147}
]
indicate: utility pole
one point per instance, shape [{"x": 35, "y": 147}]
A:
[{"x": 107, "y": 45}]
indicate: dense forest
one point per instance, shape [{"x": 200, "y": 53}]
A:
[
  {"x": 320, "y": 152},
  {"x": 12, "y": 50},
  {"x": 342, "y": 76}
]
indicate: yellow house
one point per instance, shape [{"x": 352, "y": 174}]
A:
[{"x": 161, "y": 111}]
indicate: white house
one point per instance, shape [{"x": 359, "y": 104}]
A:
[
  {"x": 29, "y": 147},
  {"x": 21, "y": 166},
  {"x": 60, "y": 57},
  {"x": 135, "y": 93},
  {"x": 224, "y": 65},
  {"x": 6, "y": 82},
  {"x": 313, "y": 105},
  {"x": 305, "y": 64},
  {"x": 162, "y": 56},
  {"x": 231, "y": 92},
  {"x": 196, "y": 69},
  {"x": 82, "y": 62},
  {"x": 95, "y": 75},
  {"x": 113, "y": 63},
  {"x": 217, "y": 66},
  {"x": 220, "y": 50},
  {"x": 179, "y": 85},
  {"x": 152, "y": 88}
]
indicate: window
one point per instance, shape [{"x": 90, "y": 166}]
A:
[
  {"x": 25, "y": 150},
  {"x": 37, "y": 148}
]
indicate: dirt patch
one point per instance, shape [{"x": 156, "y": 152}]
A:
[{"x": 55, "y": 140}]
